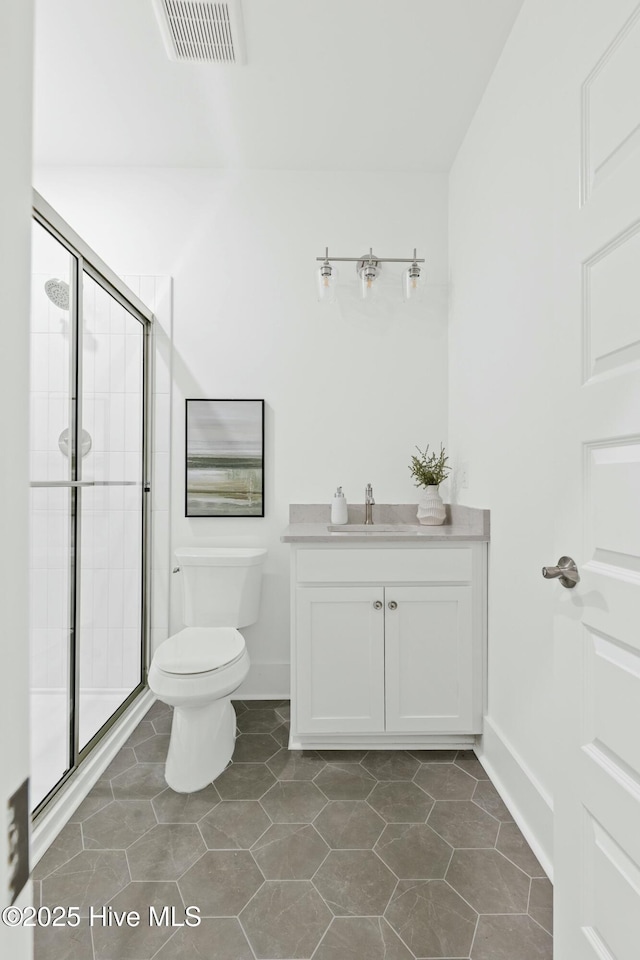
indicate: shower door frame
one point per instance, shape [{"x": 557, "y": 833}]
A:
[{"x": 86, "y": 261}]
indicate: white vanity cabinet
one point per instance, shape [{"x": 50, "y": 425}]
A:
[{"x": 387, "y": 644}]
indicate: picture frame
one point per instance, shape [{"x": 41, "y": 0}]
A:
[{"x": 224, "y": 458}]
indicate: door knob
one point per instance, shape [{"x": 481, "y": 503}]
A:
[
  {"x": 566, "y": 571},
  {"x": 377, "y": 605},
  {"x": 392, "y": 605}
]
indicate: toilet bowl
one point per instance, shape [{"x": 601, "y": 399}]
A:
[{"x": 197, "y": 669}]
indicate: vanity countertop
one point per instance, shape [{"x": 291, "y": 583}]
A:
[{"x": 309, "y": 522}]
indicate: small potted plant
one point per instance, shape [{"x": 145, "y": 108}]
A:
[{"x": 428, "y": 472}]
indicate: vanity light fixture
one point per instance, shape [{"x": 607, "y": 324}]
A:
[{"x": 369, "y": 268}]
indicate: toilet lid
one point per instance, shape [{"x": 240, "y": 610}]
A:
[{"x": 200, "y": 650}]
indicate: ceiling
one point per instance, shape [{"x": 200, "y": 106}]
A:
[{"x": 332, "y": 85}]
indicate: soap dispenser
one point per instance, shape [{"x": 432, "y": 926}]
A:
[{"x": 339, "y": 507}]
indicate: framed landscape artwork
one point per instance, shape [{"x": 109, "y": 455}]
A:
[{"x": 224, "y": 458}]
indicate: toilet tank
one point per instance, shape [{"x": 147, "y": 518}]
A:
[{"x": 220, "y": 585}]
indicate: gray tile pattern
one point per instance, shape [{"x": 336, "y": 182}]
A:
[
  {"x": 293, "y": 855},
  {"x": 432, "y": 919},
  {"x": 165, "y": 852},
  {"x": 355, "y": 883},
  {"x": 290, "y": 851},
  {"x": 220, "y": 938},
  {"x": 234, "y": 825},
  {"x": 285, "y": 920},
  {"x": 118, "y": 825},
  {"x": 541, "y": 903},
  {"x": 100, "y": 796},
  {"x": 361, "y": 938}
]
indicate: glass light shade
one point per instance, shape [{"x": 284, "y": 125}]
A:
[
  {"x": 327, "y": 281},
  {"x": 369, "y": 282},
  {"x": 413, "y": 283}
]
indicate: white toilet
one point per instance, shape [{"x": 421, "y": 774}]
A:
[{"x": 197, "y": 669}]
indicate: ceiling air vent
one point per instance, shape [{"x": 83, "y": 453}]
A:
[{"x": 201, "y": 31}]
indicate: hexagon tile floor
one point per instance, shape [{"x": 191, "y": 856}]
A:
[{"x": 330, "y": 855}]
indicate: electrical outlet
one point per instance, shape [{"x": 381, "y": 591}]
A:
[
  {"x": 463, "y": 476},
  {"x": 18, "y": 834}
]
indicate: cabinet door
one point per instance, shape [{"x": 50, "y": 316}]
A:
[
  {"x": 429, "y": 659},
  {"x": 339, "y": 659}
]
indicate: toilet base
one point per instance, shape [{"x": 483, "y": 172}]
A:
[{"x": 201, "y": 745}]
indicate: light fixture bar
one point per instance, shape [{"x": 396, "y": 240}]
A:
[
  {"x": 373, "y": 257},
  {"x": 369, "y": 268}
]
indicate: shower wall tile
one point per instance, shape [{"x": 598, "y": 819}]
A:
[
  {"x": 116, "y": 598},
  {"x": 56, "y": 658},
  {"x": 96, "y": 612},
  {"x": 130, "y": 658},
  {"x": 39, "y": 311},
  {"x": 99, "y": 659},
  {"x": 132, "y": 425},
  {"x": 99, "y": 558},
  {"x": 131, "y": 606},
  {"x": 40, "y": 421},
  {"x": 117, "y": 363},
  {"x": 87, "y": 656},
  {"x": 40, "y": 360},
  {"x": 159, "y": 610},
  {"x": 39, "y": 582},
  {"x": 131, "y": 536},
  {"x": 37, "y": 659},
  {"x": 161, "y": 481},
  {"x": 38, "y": 534},
  {"x": 114, "y": 659},
  {"x": 160, "y": 539},
  {"x": 162, "y": 424},
  {"x": 57, "y": 605},
  {"x": 116, "y": 523},
  {"x": 162, "y": 364},
  {"x": 58, "y": 364},
  {"x": 114, "y": 423},
  {"x": 101, "y": 365}
]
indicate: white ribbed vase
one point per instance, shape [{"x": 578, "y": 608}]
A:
[{"x": 431, "y": 509}]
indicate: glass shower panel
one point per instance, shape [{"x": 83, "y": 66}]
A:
[
  {"x": 110, "y": 515},
  {"x": 51, "y": 510}
]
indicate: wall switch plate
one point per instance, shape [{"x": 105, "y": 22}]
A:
[
  {"x": 18, "y": 821},
  {"x": 463, "y": 476}
]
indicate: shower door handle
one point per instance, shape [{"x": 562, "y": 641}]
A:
[
  {"x": 84, "y": 483},
  {"x": 62, "y": 483}
]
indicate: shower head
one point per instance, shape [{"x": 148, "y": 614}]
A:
[{"x": 58, "y": 293}]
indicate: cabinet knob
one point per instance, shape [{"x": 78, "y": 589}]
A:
[
  {"x": 377, "y": 605},
  {"x": 392, "y": 605}
]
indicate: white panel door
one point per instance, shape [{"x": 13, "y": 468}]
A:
[
  {"x": 339, "y": 659},
  {"x": 429, "y": 659},
  {"x": 597, "y": 796}
]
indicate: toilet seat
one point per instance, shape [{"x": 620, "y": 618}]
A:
[{"x": 198, "y": 650}]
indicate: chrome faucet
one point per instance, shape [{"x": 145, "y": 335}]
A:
[{"x": 368, "y": 504}]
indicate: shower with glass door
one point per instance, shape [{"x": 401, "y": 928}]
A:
[{"x": 89, "y": 470}]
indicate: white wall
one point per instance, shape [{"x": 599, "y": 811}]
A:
[
  {"x": 347, "y": 396},
  {"x": 505, "y": 372},
  {"x": 16, "y": 64}
]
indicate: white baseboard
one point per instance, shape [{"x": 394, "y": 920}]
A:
[
  {"x": 266, "y": 681},
  {"x": 529, "y": 803},
  {"x": 380, "y": 741},
  {"x": 53, "y": 819}
]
